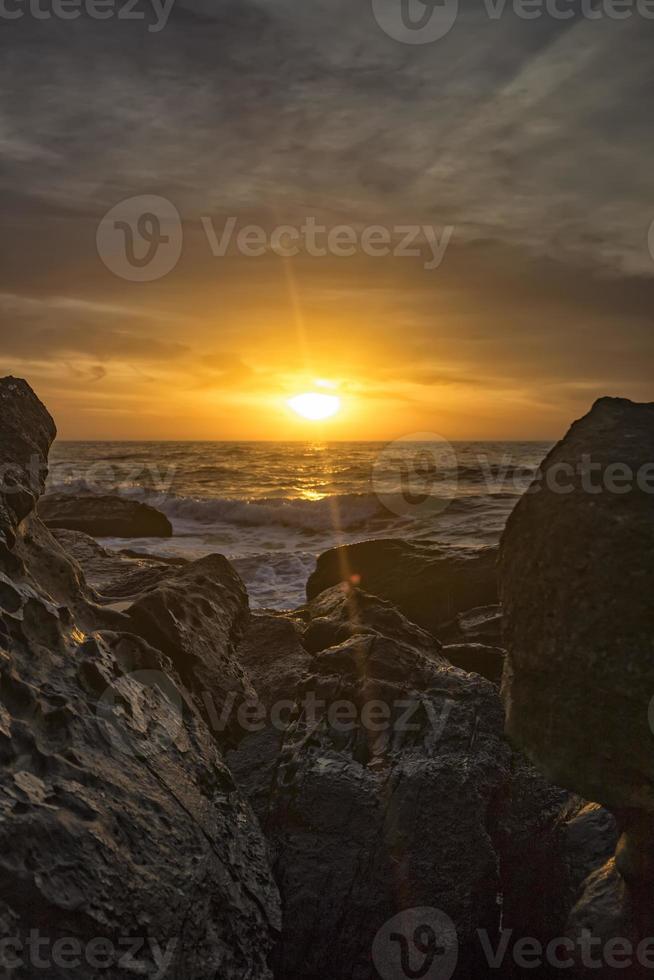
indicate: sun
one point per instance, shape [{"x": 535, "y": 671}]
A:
[{"x": 315, "y": 406}]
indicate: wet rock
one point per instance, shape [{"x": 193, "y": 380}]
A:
[
  {"x": 427, "y": 584},
  {"x": 104, "y": 516}
]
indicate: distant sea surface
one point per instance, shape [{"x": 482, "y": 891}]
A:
[{"x": 272, "y": 508}]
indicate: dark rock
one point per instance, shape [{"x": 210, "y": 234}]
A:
[
  {"x": 114, "y": 574},
  {"x": 118, "y": 815},
  {"x": 364, "y": 821},
  {"x": 197, "y": 615},
  {"x": 345, "y": 611},
  {"x": 427, "y": 584},
  {"x": 591, "y": 838},
  {"x": 478, "y": 658},
  {"x": 104, "y": 516},
  {"x": 27, "y": 434},
  {"x": 577, "y": 574},
  {"x": 480, "y": 625}
]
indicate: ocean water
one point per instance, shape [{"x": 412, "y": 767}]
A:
[{"x": 272, "y": 508}]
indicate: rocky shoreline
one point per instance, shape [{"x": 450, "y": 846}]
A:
[{"x": 260, "y": 795}]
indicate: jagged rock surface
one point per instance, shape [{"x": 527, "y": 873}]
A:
[
  {"x": 114, "y": 575},
  {"x": 119, "y": 817},
  {"x": 362, "y": 822}
]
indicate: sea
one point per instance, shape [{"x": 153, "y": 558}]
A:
[{"x": 273, "y": 507}]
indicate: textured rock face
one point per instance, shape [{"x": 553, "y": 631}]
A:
[
  {"x": 104, "y": 517},
  {"x": 27, "y": 433},
  {"x": 113, "y": 574},
  {"x": 197, "y": 615},
  {"x": 118, "y": 815},
  {"x": 577, "y": 575},
  {"x": 477, "y": 658},
  {"x": 577, "y": 578},
  {"x": 368, "y": 818},
  {"x": 428, "y": 586}
]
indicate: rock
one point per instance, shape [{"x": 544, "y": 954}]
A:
[
  {"x": 577, "y": 574},
  {"x": 345, "y": 611},
  {"x": 480, "y": 625},
  {"x": 119, "y": 818},
  {"x": 591, "y": 838},
  {"x": 366, "y": 815},
  {"x": 115, "y": 574},
  {"x": 27, "y": 433},
  {"x": 427, "y": 584},
  {"x": 478, "y": 658},
  {"x": 197, "y": 615},
  {"x": 104, "y": 516}
]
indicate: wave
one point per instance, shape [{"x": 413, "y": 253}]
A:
[
  {"x": 344, "y": 512},
  {"x": 347, "y": 511}
]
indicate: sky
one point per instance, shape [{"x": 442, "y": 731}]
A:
[{"x": 523, "y": 146}]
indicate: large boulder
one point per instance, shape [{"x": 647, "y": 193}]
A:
[
  {"x": 577, "y": 574},
  {"x": 429, "y": 585},
  {"x": 577, "y": 577},
  {"x": 121, "y": 828},
  {"x": 104, "y": 516}
]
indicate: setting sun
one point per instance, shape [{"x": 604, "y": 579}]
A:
[{"x": 315, "y": 406}]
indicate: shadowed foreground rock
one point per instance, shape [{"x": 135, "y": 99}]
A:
[
  {"x": 104, "y": 516},
  {"x": 577, "y": 574},
  {"x": 419, "y": 803},
  {"x": 428, "y": 585},
  {"x": 118, "y": 815}
]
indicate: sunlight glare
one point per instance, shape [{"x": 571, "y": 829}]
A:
[{"x": 314, "y": 405}]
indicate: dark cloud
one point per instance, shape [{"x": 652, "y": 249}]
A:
[{"x": 532, "y": 138}]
